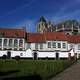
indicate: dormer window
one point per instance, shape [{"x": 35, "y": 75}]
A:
[
  {"x": 16, "y": 34},
  {"x": 1, "y": 34}
]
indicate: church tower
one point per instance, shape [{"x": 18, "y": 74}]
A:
[
  {"x": 49, "y": 26},
  {"x": 42, "y": 25}
]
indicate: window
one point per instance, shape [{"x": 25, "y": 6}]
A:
[
  {"x": 1, "y": 34},
  {"x": 64, "y": 45},
  {"x": 79, "y": 47},
  {"x": 10, "y": 42},
  {"x": 71, "y": 46},
  {"x": 59, "y": 45},
  {"x": 41, "y": 46},
  {"x": 16, "y": 34},
  {"x": 21, "y": 43},
  {"x": 5, "y": 42},
  {"x": 54, "y": 44},
  {"x": 36, "y": 45},
  {"x": 28, "y": 45},
  {"x": 15, "y": 43},
  {"x": 0, "y": 42},
  {"x": 49, "y": 44}
]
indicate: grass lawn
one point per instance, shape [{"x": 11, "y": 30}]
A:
[{"x": 42, "y": 68}]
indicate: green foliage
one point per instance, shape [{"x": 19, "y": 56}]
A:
[
  {"x": 4, "y": 57},
  {"x": 44, "y": 68}
]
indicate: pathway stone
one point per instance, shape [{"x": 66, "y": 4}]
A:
[{"x": 72, "y": 73}]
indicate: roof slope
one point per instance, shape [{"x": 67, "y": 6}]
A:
[
  {"x": 59, "y": 36},
  {"x": 12, "y": 33},
  {"x": 48, "y": 36},
  {"x": 35, "y": 37},
  {"x": 73, "y": 38}
]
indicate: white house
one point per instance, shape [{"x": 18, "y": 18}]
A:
[{"x": 17, "y": 42}]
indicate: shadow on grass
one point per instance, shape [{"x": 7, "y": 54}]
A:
[
  {"x": 8, "y": 72},
  {"x": 32, "y": 77}
]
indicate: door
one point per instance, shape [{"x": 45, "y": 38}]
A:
[
  {"x": 35, "y": 55},
  {"x": 9, "y": 54},
  {"x": 57, "y": 55}
]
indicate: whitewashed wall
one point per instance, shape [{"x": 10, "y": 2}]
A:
[
  {"x": 52, "y": 54},
  {"x": 45, "y": 46},
  {"x": 61, "y": 49},
  {"x": 3, "y": 53},
  {"x": 63, "y": 54},
  {"x": 29, "y": 53},
  {"x": 18, "y": 53},
  {"x": 46, "y": 54}
]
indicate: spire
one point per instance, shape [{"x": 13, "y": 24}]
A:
[{"x": 42, "y": 19}]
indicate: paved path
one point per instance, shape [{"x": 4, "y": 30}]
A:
[{"x": 72, "y": 73}]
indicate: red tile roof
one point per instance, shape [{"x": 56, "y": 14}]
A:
[
  {"x": 39, "y": 37},
  {"x": 73, "y": 38},
  {"x": 35, "y": 37},
  {"x": 59, "y": 36},
  {"x": 48, "y": 36},
  {"x": 12, "y": 33}
]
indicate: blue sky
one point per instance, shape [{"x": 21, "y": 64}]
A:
[{"x": 19, "y": 13}]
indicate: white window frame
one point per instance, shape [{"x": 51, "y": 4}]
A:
[
  {"x": 5, "y": 44},
  {"x": 16, "y": 43},
  {"x": 54, "y": 44},
  {"x": 49, "y": 44},
  {"x": 41, "y": 45},
  {"x": 58, "y": 45},
  {"x": 10, "y": 44},
  {"x": 63, "y": 45},
  {"x": 36, "y": 46},
  {"x": 71, "y": 46},
  {"x": 21, "y": 43},
  {"x": 78, "y": 46}
]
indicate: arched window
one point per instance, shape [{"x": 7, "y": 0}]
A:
[
  {"x": 15, "y": 43},
  {"x": 5, "y": 42},
  {"x": 10, "y": 42},
  {"x": 20, "y": 43}
]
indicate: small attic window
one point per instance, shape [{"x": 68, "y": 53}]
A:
[
  {"x": 1, "y": 34},
  {"x": 16, "y": 34}
]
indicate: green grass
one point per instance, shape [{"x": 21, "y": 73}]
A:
[{"x": 44, "y": 68}]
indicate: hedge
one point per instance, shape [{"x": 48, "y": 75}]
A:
[{"x": 44, "y": 68}]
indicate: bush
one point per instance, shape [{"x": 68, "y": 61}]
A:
[
  {"x": 17, "y": 58},
  {"x": 44, "y": 68},
  {"x": 4, "y": 56}
]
